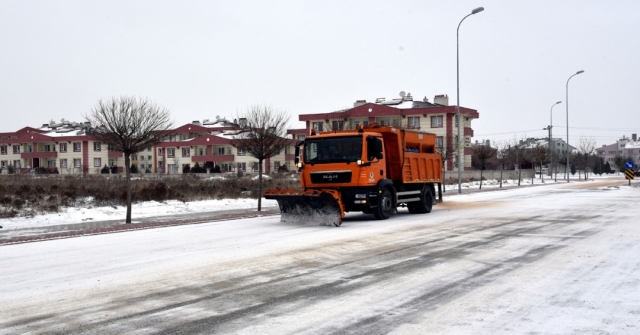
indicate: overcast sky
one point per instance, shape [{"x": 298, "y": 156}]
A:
[{"x": 203, "y": 59}]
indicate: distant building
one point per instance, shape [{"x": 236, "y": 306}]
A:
[{"x": 624, "y": 147}]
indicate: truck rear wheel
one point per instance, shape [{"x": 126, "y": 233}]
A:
[
  {"x": 385, "y": 205},
  {"x": 424, "y": 205}
]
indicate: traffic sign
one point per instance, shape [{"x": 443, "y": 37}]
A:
[
  {"x": 629, "y": 165},
  {"x": 628, "y": 174}
]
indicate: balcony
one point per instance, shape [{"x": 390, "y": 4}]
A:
[
  {"x": 213, "y": 158},
  {"x": 115, "y": 154},
  {"x": 42, "y": 154}
]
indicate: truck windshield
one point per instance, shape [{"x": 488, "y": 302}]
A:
[{"x": 333, "y": 149}]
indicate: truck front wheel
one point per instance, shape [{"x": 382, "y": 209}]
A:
[{"x": 385, "y": 205}]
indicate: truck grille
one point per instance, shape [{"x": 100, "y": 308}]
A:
[{"x": 331, "y": 177}]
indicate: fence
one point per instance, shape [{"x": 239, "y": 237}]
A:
[{"x": 450, "y": 176}]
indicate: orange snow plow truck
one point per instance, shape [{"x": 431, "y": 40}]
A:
[{"x": 373, "y": 169}]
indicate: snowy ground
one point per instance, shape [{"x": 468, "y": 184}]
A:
[{"x": 558, "y": 259}]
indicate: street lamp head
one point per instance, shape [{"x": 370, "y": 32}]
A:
[
  {"x": 579, "y": 72},
  {"x": 559, "y": 102},
  {"x": 477, "y": 10}
]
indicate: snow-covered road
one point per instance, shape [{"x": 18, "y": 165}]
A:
[{"x": 557, "y": 259}]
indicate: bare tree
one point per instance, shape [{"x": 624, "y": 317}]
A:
[
  {"x": 515, "y": 155},
  {"x": 481, "y": 154},
  {"x": 501, "y": 156},
  {"x": 539, "y": 156},
  {"x": 262, "y": 136},
  {"x": 446, "y": 148},
  {"x": 587, "y": 147},
  {"x": 128, "y": 124}
]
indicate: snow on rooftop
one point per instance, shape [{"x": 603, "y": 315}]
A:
[{"x": 632, "y": 145}]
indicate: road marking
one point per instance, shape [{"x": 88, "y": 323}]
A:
[{"x": 561, "y": 236}]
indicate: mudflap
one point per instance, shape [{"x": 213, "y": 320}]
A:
[{"x": 316, "y": 207}]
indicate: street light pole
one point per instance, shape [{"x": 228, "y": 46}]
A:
[
  {"x": 458, "y": 148},
  {"x": 567, "y": 107},
  {"x": 551, "y": 151}
]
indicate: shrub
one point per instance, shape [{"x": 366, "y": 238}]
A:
[
  {"x": 197, "y": 169},
  {"x": 105, "y": 170}
]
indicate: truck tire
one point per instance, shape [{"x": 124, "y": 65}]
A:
[
  {"x": 385, "y": 205},
  {"x": 424, "y": 205}
]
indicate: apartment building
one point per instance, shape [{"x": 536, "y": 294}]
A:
[
  {"x": 625, "y": 147},
  {"x": 210, "y": 144},
  {"x": 66, "y": 147},
  {"x": 56, "y": 145},
  {"x": 404, "y": 112}
]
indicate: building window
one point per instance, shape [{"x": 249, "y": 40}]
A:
[
  {"x": 439, "y": 142},
  {"x": 171, "y": 152},
  {"x": 317, "y": 126},
  {"x": 395, "y": 122},
  {"x": 186, "y": 152},
  {"x": 384, "y": 122},
  {"x": 76, "y": 147},
  {"x": 63, "y": 147},
  {"x": 63, "y": 163},
  {"x": 97, "y": 162},
  {"x": 3, "y": 164},
  {"x": 3, "y": 149},
  {"x": 413, "y": 122},
  {"x": 49, "y": 148},
  {"x": 240, "y": 152},
  {"x": 456, "y": 118},
  {"x": 365, "y": 123},
  {"x": 16, "y": 149},
  {"x": 242, "y": 166},
  {"x": 97, "y": 146},
  {"x": 77, "y": 162},
  {"x": 171, "y": 168},
  {"x": 220, "y": 151},
  {"x": 300, "y": 137},
  {"x": 276, "y": 166},
  {"x": 337, "y": 125},
  {"x": 159, "y": 151},
  {"x": 149, "y": 158},
  {"x": 51, "y": 163},
  {"x": 172, "y": 138},
  {"x": 436, "y": 121},
  {"x": 17, "y": 164}
]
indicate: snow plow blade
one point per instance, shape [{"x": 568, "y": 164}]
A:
[{"x": 317, "y": 207}]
